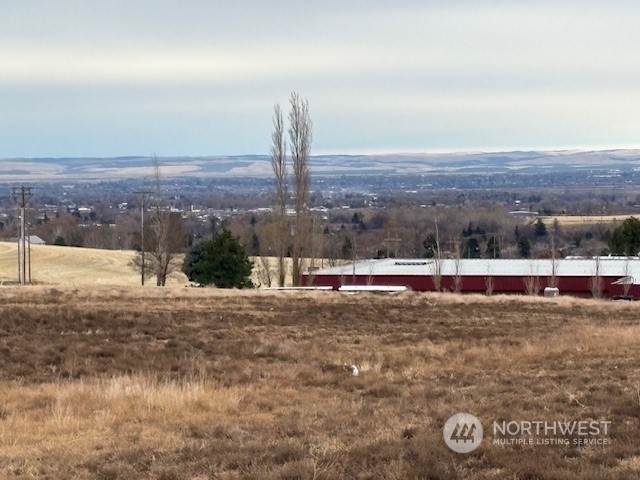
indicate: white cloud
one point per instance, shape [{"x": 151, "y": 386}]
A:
[{"x": 474, "y": 73}]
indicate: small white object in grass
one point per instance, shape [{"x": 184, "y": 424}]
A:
[{"x": 354, "y": 370}]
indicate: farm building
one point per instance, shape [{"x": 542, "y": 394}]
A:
[{"x": 607, "y": 276}]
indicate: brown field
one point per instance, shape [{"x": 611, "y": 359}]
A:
[
  {"x": 183, "y": 383},
  {"x": 569, "y": 220},
  {"x": 73, "y": 266}
]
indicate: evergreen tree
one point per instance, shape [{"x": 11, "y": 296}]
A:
[
  {"x": 347, "y": 249},
  {"x": 255, "y": 244},
  {"x": 540, "y": 229},
  {"x": 625, "y": 239},
  {"x": 524, "y": 247},
  {"x": 221, "y": 261},
  {"x": 471, "y": 248},
  {"x": 60, "y": 241},
  {"x": 430, "y": 246}
]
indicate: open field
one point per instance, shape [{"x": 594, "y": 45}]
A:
[
  {"x": 199, "y": 383},
  {"x": 72, "y": 266},
  {"x": 584, "y": 219}
]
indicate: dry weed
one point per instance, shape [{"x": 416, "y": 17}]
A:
[{"x": 199, "y": 383}]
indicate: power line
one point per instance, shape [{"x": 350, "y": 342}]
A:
[
  {"x": 21, "y": 196},
  {"x": 143, "y": 194},
  {"x": 396, "y": 241}
]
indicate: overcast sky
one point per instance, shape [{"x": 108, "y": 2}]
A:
[{"x": 200, "y": 77}]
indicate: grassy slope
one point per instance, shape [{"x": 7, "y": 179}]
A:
[
  {"x": 194, "y": 383},
  {"x": 72, "y": 266},
  {"x": 53, "y": 265}
]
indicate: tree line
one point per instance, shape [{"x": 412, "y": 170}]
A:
[{"x": 292, "y": 230}]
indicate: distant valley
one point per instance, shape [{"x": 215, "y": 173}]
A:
[{"x": 121, "y": 168}]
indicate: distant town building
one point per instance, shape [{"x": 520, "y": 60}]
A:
[{"x": 32, "y": 239}]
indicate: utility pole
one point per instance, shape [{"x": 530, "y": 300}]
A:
[
  {"x": 143, "y": 195},
  {"x": 396, "y": 241},
  {"x": 21, "y": 195},
  {"x": 313, "y": 234},
  {"x": 435, "y": 219},
  {"x": 353, "y": 252}
]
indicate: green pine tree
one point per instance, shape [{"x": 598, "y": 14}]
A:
[
  {"x": 221, "y": 261},
  {"x": 625, "y": 239}
]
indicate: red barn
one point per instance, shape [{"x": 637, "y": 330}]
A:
[{"x": 607, "y": 276}]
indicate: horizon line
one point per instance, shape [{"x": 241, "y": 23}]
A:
[{"x": 364, "y": 153}]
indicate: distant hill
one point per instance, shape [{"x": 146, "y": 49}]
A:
[{"x": 61, "y": 169}]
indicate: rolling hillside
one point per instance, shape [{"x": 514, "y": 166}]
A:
[
  {"x": 73, "y": 266},
  {"x": 90, "y": 169},
  {"x": 76, "y": 266}
]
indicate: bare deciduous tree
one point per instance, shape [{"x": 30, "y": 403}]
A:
[
  {"x": 457, "y": 265},
  {"x": 265, "y": 271},
  {"x": 300, "y": 138},
  {"x": 370, "y": 276},
  {"x": 279, "y": 166},
  {"x": 553, "y": 280},
  {"x": 628, "y": 279},
  {"x": 489, "y": 282},
  {"x": 532, "y": 282},
  {"x": 596, "y": 279},
  {"x": 164, "y": 237},
  {"x": 167, "y": 240},
  {"x": 333, "y": 251},
  {"x": 436, "y": 274}
]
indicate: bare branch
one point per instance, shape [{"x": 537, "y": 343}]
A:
[
  {"x": 279, "y": 159},
  {"x": 300, "y": 137},
  {"x": 165, "y": 236},
  {"x": 279, "y": 166}
]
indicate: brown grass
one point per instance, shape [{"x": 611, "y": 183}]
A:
[
  {"x": 584, "y": 219},
  {"x": 199, "y": 383},
  {"x": 72, "y": 266},
  {"x": 79, "y": 267}
]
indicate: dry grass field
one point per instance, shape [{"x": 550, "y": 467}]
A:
[
  {"x": 71, "y": 266},
  {"x": 571, "y": 220},
  {"x": 182, "y": 383}
]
